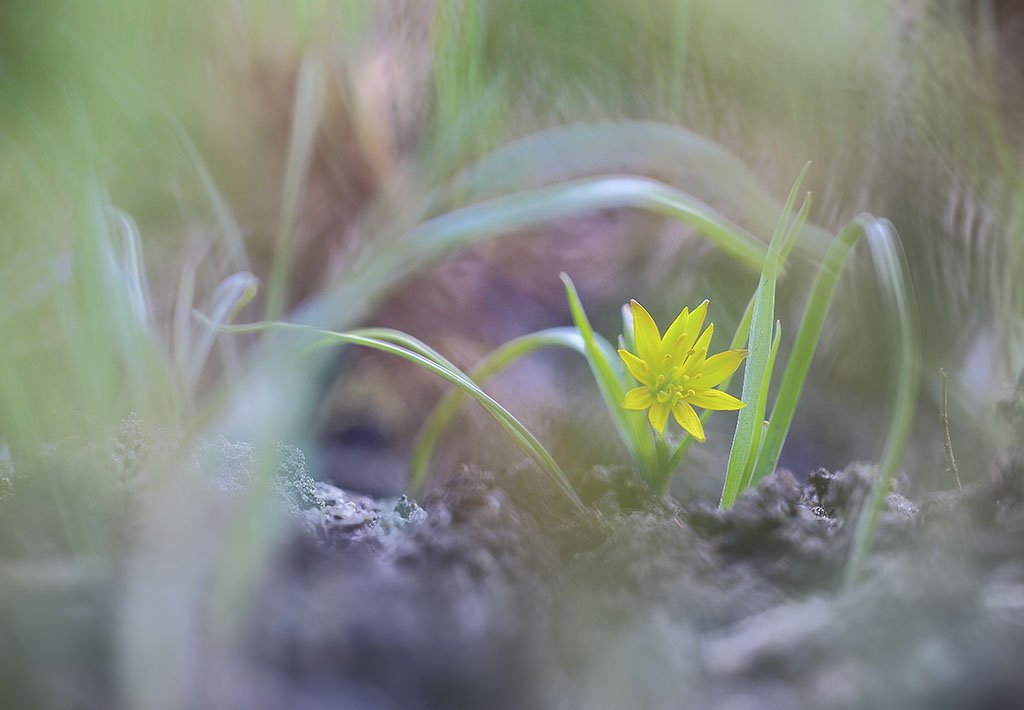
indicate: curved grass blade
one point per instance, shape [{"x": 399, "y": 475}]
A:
[
  {"x": 133, "y": 268},
  {"x": 398, "y": 337},
  {"x": 686, "y": 160},
  {"x": 522, "y": 209},
  {"x": 106, "y": 313},
  {"x": 373, "y": 275},
  {"x": 228, "y": 299},
  {"x": 493, "y": 363},
  {"x": 893, "y": 274},
  {"x": 427, "y": 358},
  {"x": 760, "y": 345}
]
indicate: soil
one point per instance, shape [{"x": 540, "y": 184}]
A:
[{"x": 494, "y": 595}]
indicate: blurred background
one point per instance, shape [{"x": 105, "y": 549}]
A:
[{"x": 157, "y": 158}]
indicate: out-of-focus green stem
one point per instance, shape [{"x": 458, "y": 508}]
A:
[{"x": 893, "y": 274}]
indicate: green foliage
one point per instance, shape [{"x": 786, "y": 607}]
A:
[
  {"x": 405, "y": 346},
  {"x": 904, "y": 330},
  {"x": 757, "y": 444},
  {"x": 756, "y": 448},
  {"x": 446, "y": 410},
  {"x": 114, "y": 228},
  {"x": 757, "y": 373}
]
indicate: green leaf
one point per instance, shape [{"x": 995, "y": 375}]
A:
[
  {"x": 762, "y": 399},
  {"x": 373, "y": 274},
  {"x": 409, "y": 348},
  {"x": 231, "y": 296},
  {"x": 760, "y": 345},
  {"x": 806, "y": 343},
  {"x": 685, "y": 160},
  {"x": 493, "y": 363}
]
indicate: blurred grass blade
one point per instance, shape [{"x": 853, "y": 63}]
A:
[
  {"x": 413, "y": 350},
  {"x": 495, "y": 362},
  {"x": 183, "y": 326},
  {"x": 238, "y": 257},
  {"x": 469, "y": 106},
  {"x": 374, "y": 274},
  {"x": 891, "y": 266},
  {"x": 305, "y": 123},
  {"x": 685, "y": 160},
  {"x": 228, "y": 299},
  {"x": 133, "y": 269},
  {"x": 760, "y": 346},
  {"x": 632, "y": 426},
  {"x": 518, "y": 210},
  {"x": 511, "y": 193},
  {"x": 104, "y": 314}
]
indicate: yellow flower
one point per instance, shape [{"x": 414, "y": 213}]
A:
[{"x": 674, "y": 371}]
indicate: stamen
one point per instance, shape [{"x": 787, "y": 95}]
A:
[{"x": 662, "y": 397}]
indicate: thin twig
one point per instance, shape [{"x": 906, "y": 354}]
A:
[{"x": 950, "y": 461}]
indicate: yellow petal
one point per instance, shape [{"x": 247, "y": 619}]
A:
[
  {"x": 645, "y": 334},
  {"x": 718, "y": 367},
  {"x": 679, "y": 346},
  {"x": 696, "y": 322},
  {"x": 675, "y": 330},
  {"x": 693, "y": 364},
  {"x": 704, "y": 341},
  {"x": 637, "y": 367},
  {"x": 715, "y": 399},
  {"x": 689, "y": 420},
  {"x": 638, "y": 398},
  {"x": 658, "y": 415}
]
